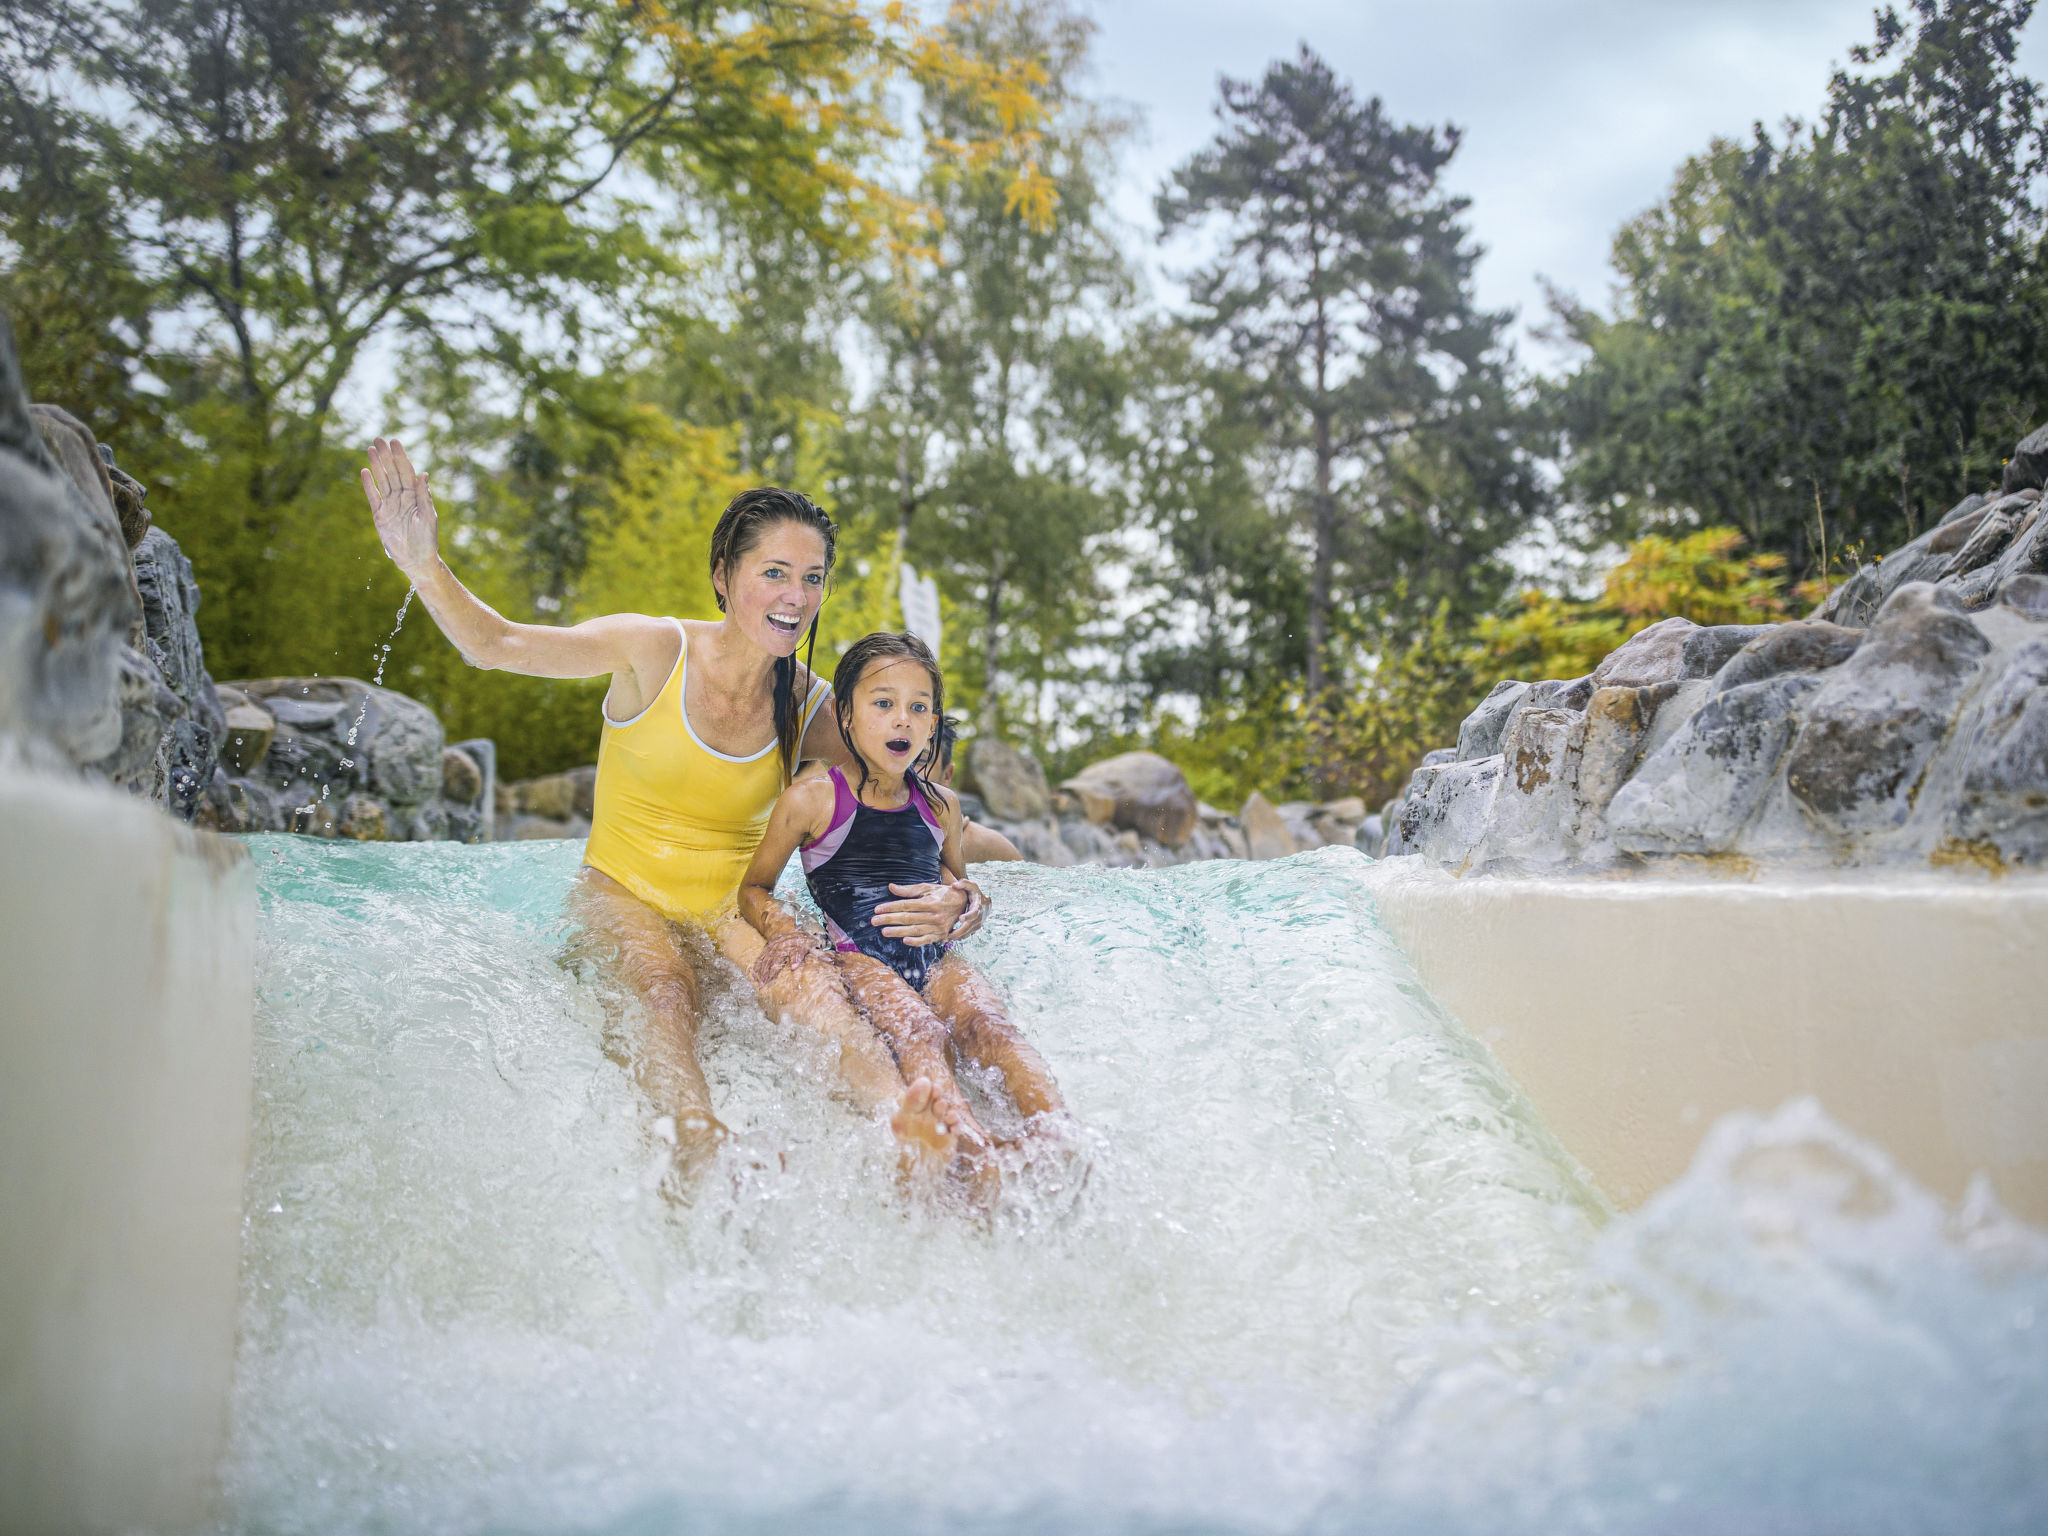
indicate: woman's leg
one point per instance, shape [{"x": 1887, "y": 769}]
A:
[
  {"x": 814, "y": 993},
  {"x": 649, "y": 954},
  {"x": 963, "y": 998},
  {"x": 919, "y": 1038}
]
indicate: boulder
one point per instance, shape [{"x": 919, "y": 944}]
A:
[
  {"x": 1149, "y": 795},
  {"x": 2003, "y": 803},
  {"x": 1990, "y": 535},
  {"x": 1969, "y": 507},
  {"x": 1870, "y": 732},
  {"x": 1698, "y": 791},
  {"x": 1009, "y": 780},
  {"x": 1265, "y": 830},
  {"x": 344, "y": 732},
  {"x": 1617, "y": 721},
  {"x": 1813, "y": 645},
  {"x": 1479, "y": 735},
  {"x": 462, "y": 781},
  {"x": 2027, "y": 596},
  {"x": 2028, "y": 466},
  {"x": 1648, "y": 657},
  {"x": 363, "y": 819},
  {"x": 1447, "y": 810},
  {"x": 552, "y": 798},
  {"x": 534, "y": 828},
  {"x": 1535, "y": 806}
]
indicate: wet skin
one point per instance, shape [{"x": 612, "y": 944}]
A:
[{"x": 772, "y": 592}]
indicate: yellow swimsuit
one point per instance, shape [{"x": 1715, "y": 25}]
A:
[{"x": 674, "y": 822}]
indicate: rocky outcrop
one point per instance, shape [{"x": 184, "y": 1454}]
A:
[
  {"x": 339, "y": 757},
  {"x": 1905, "y": 721},
  {"x": 100, "y": 664}
]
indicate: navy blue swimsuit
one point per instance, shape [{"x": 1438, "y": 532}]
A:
[{"x": 851, "y": 868}]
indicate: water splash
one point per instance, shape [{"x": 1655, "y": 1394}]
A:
[
  {"x": 1328, "y": 1271},
  {"x": 377, "y": 680}
]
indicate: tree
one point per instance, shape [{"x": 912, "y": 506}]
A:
[
  {"x": 1343, "y": 291},
  {"x": 274, "y": 186},
  {"x": 1837, "y": 331},
  {"x": 990, "y": 442}
]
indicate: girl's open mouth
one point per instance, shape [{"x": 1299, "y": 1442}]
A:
[{"x": 898, "y": 746}]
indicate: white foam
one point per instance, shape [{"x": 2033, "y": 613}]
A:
[{"x": 1326, "y": 1270}]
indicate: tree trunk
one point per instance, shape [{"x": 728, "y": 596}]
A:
[{"x": 991, "y": 650}]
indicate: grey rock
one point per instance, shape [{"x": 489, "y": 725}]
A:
[
  {"x": 1447, "y": 809},
  {"x": 1711, "y": 647},
  {"x": 1695, "y": 793},
  {"x": 1443, "y": 755},
  {"x": 1648, "y": 657},
  {"x": 67, "y": 597},
  {"x": 1008, "y": 779},
  {"x": 1535, "y": 807},
  {"x": 2003, "y": 804},
  {"x": 397, "y": 746},
  {"x": 1266, "y": 832},
  {"x": 479, "y": 824},
  {"x": 250, "y": 729},
  {"x": 1618, "y": 721},
  {"x": 1813, "y": 645},
  {"x": 1994, "y": 530},
  {"x": 1479, "y": 735},
  {"x": 362, "y": 819},
  {"x": 2028, "y": 466},
  {"x": 1871, "y": 731},
  {"x": 1969, "y": 505},
  {"x": 462, "y": 781},
  {"x": 2028, "y": 596}
]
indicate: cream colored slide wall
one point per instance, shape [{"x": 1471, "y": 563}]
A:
[
  {"x": 1635, "y": 1012},
  {"x": 126, "y": 993}
]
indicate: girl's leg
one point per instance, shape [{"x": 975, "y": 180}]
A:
[
  {"x": 962, "y": 996},
  {"x": 814, "y": 993},
  {"x": 909, "y": 1024},
  {"x": 649, "y": 953}
]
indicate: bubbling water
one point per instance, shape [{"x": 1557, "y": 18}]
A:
[{"x": 1308, "y": 1262}]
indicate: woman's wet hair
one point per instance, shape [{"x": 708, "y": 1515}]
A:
[
  {"x": 744, "y": 524},
  {"x": 885, "y": 645}
]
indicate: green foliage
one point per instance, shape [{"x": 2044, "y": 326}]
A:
[
  {"x": 1847, "y": 325},
  {"x": 1701, "y": 577}
]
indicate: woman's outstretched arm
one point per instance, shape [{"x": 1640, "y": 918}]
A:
[{"x": 403, "y": 508}]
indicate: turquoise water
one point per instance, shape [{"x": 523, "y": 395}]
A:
[{"x": 1315, "y": 1265}]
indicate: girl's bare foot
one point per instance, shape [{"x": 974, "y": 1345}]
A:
[
  {"x": 918, "y": 1125},
  {"x": 696, "y": 1136}
]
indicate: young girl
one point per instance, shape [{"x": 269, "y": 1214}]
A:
[{"x": 875, "y": 834}]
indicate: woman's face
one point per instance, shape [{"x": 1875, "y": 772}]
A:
[
  {"x": 892, "y": 720},
  {"x": 773, "y": 590}
]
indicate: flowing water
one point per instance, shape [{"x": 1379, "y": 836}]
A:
[{"x": 1309, "y": 1262}]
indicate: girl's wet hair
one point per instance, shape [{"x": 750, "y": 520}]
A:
[
  {"x": 884, "y": 645},
  {"x": 744, "y": 523}
]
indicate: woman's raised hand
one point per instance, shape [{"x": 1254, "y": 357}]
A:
[{"x": 403, "y": 508}]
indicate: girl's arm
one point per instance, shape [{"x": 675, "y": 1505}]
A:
[
  {"x": 799, "y": 817},
  {"x": 632, "y": 644}
]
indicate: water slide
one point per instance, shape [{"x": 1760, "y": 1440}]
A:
[{"x": 1314, "y": 1260}]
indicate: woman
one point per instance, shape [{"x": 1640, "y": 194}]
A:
[{"x": 704, "y": 725}]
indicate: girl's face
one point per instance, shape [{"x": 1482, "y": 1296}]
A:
[
  {"x": 892, "y": 720},
  {"x": 774, "y": 590}
]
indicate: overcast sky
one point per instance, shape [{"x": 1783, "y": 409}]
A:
[{"x": 1576, "y": 112}]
